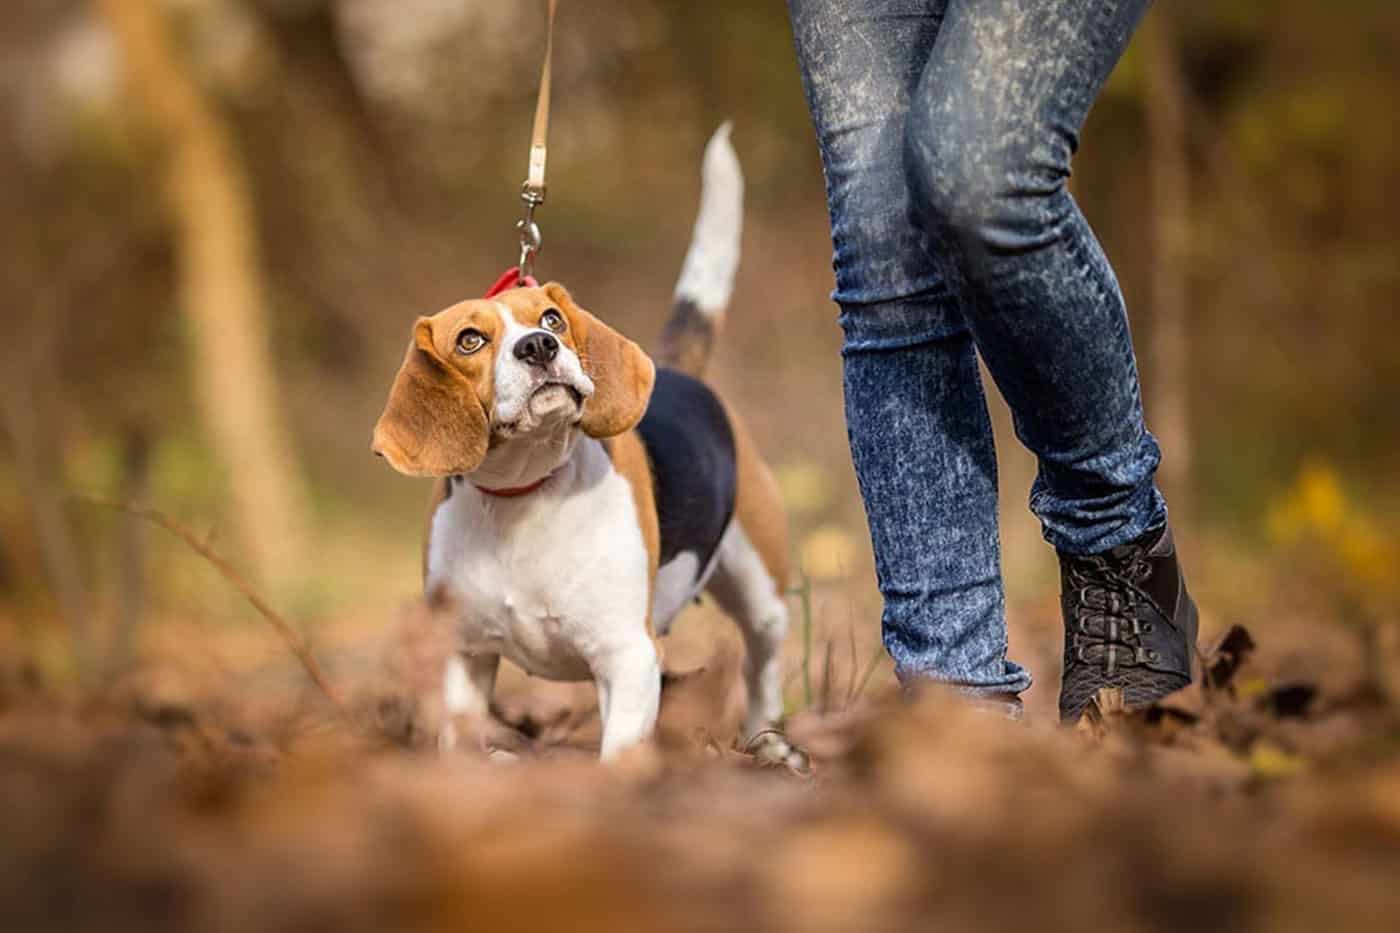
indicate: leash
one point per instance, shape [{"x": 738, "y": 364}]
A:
[
  {"x": 532, "y": 190},
  {"x": 532, "y": 194}
]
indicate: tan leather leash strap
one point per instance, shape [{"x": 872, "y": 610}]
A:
[
  {"x": 534, "y": 182},
  {"x": 532, "y": 191}
]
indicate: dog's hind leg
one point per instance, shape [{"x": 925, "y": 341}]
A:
[
  {"x": 747, "y": 591},
  {"x": 744, "y": 589}
]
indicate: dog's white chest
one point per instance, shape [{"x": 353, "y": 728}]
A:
[{"x": 551, "y": 580}]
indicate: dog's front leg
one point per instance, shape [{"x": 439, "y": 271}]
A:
[
  {"x": 468, "y": 680},
  {"x": 629, "y": 694}
]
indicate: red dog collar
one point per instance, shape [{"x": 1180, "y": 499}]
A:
[
  {"x": 510, "y": 279},
  {"x": 510, "y": 492}
]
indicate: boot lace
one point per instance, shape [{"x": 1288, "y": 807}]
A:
[{"x": 1105, "y": 625}]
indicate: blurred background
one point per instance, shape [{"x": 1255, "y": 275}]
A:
[{"x": 222, "y": 216}]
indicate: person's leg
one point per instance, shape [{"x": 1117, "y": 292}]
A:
[
  {"x": 992, "y": 127},
  {"x": 991, "y": 130},
  {"x": 919, "y": 432}
]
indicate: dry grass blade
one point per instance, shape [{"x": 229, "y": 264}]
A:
[
  {"x": 804, "y": 592},
  {"x": 866, "y": 674},
  {"x": 825, "y": 706},
  {"x": 1098, "y": 718},
  {"x": 855, "y": 667},
  {"x": 289, "y": 635}
]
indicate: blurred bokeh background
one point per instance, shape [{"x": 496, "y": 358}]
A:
[{"x": 221, "y": 217}]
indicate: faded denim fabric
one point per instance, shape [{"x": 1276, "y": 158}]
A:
[{"x": 946, "y": 129}]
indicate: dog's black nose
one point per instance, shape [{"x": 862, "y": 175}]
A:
[{"x": 537, "y": 349}]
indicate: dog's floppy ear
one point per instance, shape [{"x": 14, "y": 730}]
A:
[
  {"x": 433, "y": 424},
  {"x": 622, "y": 373}
]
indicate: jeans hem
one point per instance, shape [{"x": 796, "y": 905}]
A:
[
  {"x": 1076, "y": 544},
  {"x": 1018, "y": 681}
]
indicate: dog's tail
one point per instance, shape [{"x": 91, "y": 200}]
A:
[{"x": 707, "y": 276}]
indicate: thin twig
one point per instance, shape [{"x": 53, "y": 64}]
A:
[{"x": 293, "y": 639}]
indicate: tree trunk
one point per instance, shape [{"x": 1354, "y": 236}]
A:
[
  {"x": 1169, "y": 385},
  {"x": 39, "y": 477},
  {"x": 221, "y": 290}
]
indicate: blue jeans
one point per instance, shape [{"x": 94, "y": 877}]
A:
[{"x": 946, "y": 129}]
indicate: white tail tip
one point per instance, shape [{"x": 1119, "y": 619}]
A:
[{"x": 707, "y": 276}]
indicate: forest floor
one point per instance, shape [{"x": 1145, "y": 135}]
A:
[{"x": 179, "y": 799}]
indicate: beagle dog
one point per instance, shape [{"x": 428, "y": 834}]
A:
[{"x": 584, "y": 494}]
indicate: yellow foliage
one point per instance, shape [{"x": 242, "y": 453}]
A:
[
  {"x": 1317, "y": 510},
  {"x": 805, "y": 486},
  {"x": 1267, "y": 760},
  {"x": 1316, "y": 505},
  {"x": 1252, "y": 688},
  {"x": 829, "y": 553},
  {"x": 1369, "y": 554}
]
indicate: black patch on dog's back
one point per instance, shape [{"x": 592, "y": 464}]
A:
[{"x": 691, "y": 447}]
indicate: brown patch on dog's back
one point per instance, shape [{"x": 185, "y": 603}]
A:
[{"x": 759, "y": 505}]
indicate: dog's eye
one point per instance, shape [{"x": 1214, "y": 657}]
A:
[
  {"x": 469, "y": 341},
  {"x": 553, "y": 320}
]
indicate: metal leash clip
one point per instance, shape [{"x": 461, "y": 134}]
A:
[{"x": 530, "y": 237}]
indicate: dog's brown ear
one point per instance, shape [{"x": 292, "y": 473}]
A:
[
  {"x": 433, "y": 424},
  {"x": 621, "y": 371}
]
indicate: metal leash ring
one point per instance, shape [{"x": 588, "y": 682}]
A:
[{"x": 530, "y": 237}]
